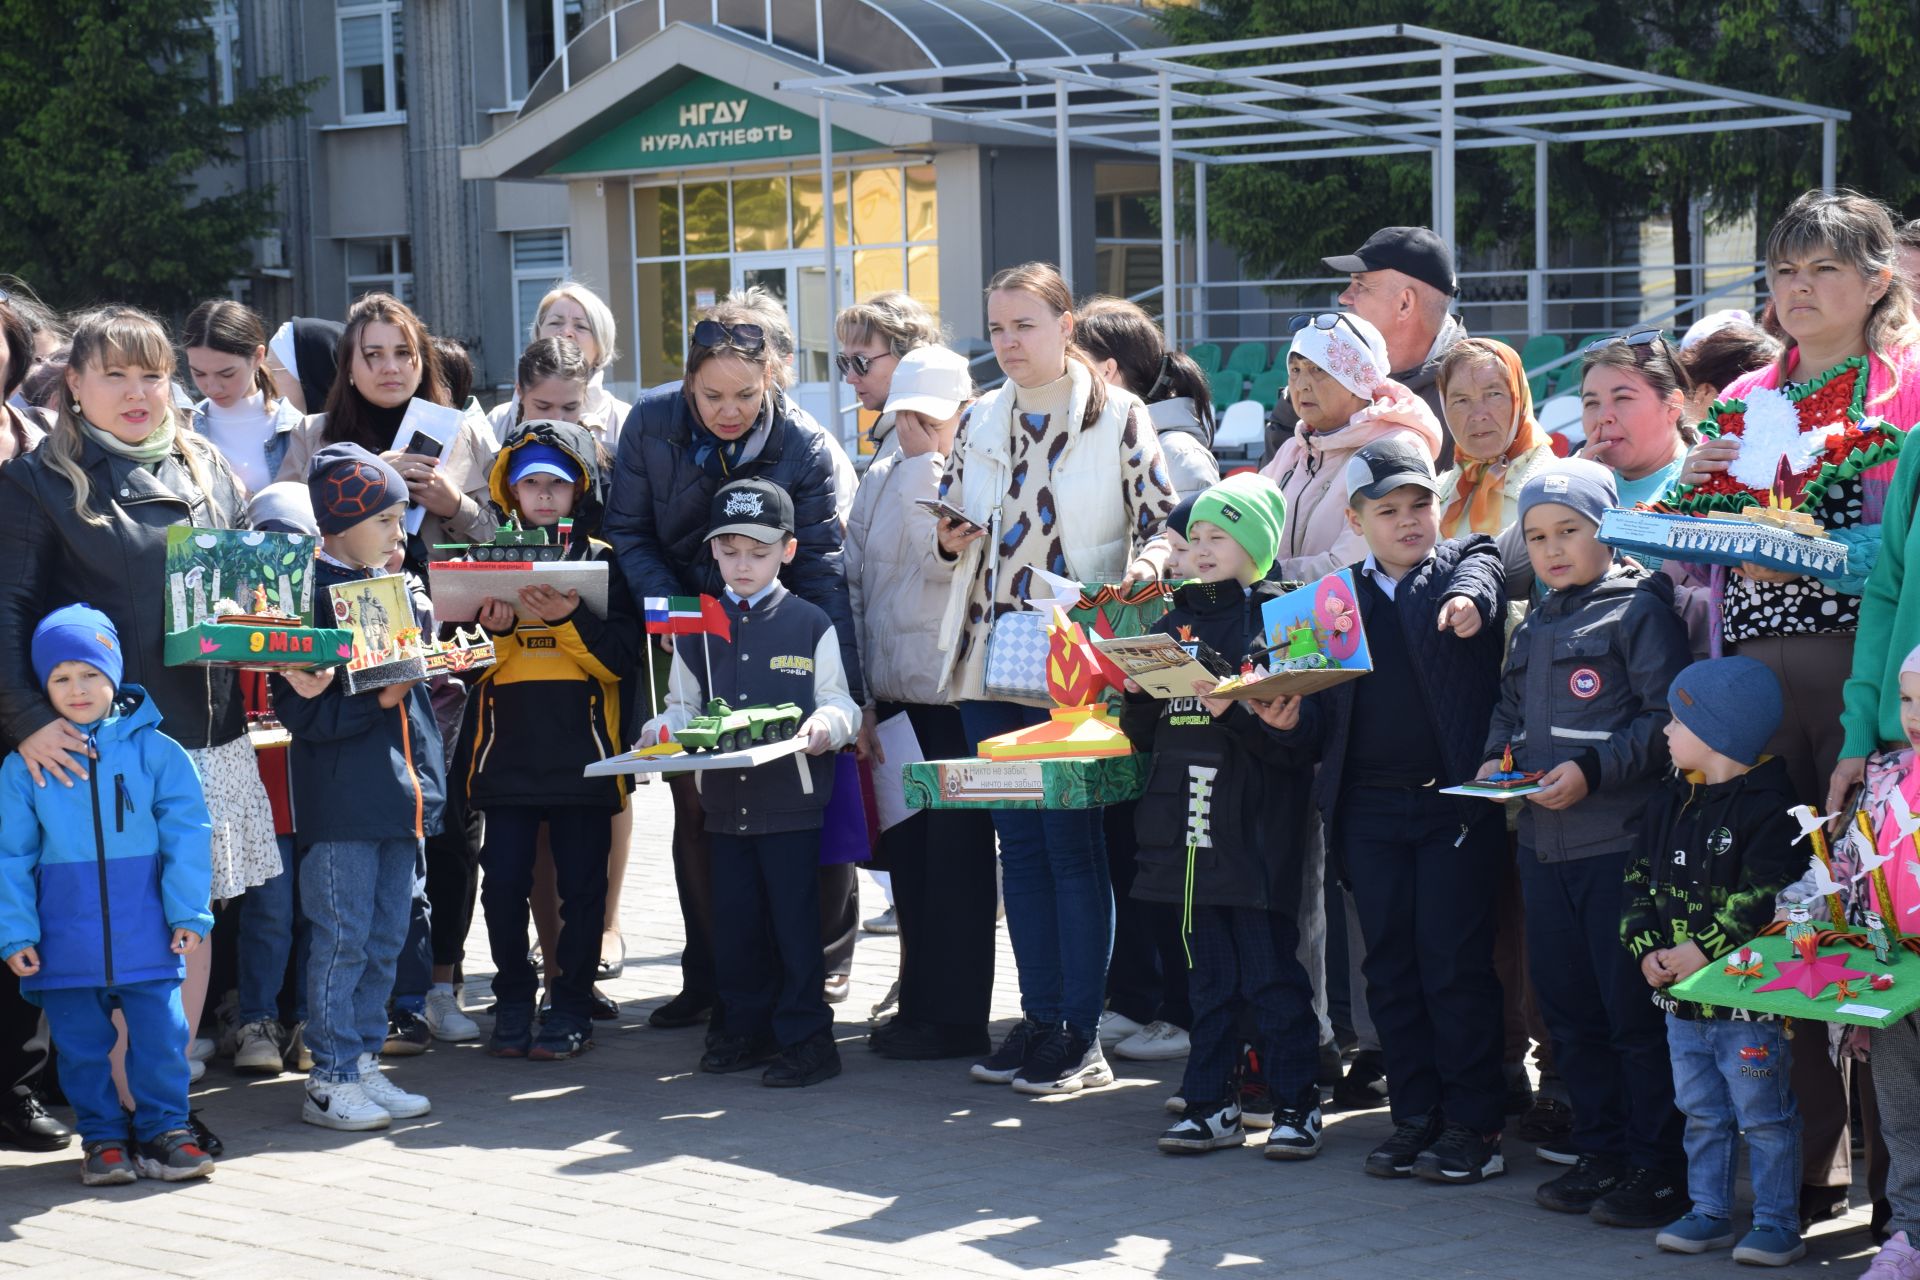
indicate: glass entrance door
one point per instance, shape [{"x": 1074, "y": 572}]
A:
[{"x": 799, "y": 281}]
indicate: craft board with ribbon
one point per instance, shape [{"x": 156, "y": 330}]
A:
[
  {"x": 244, "y": 598},
  {"x": 1314, "y": 641},
  {"x": 1025, "y": 784},
  {"x": 1842, "y": 980}
]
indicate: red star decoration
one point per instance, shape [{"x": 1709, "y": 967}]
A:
[{"x": 1812, "y": 976}]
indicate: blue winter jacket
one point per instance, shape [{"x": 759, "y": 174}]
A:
[{"x": 97, "y": 876}]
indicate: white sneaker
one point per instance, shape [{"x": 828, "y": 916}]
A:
[
  {"x": 343, "y": 1106},
  {"x": 1205, "y": 1133},
  {"x": 262, "y": 1048},
  {"x": 200, "y": 1049},
  {"x": 399, "y": 1104},
  {"x": 444, "y": 1018},
  {"x": 1054, "y": 1068},
  {"x": 1154, "y": 1042},
  {"x": 195, "y": 1069},
  {"x": 1115, "y": 1027}
]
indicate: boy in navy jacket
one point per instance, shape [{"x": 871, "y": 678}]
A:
[
  {"x": 369, "y": 781},
  {"x": 765, "y": 822},
  {"x": 1424, "y": 868},
  {"x": 103, "y": 890}
]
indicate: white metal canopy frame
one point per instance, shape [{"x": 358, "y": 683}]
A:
[{"x": 1366, "y": 91}]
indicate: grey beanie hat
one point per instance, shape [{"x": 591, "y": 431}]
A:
[
  {"x": 1584, "y": 486},
  {"x": 283, "y": 507}
]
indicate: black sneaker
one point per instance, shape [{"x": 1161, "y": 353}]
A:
[
  {"x": 1296, "y": 1134},
  {"x": 174, "y": 1156},
  {"x": 1644, "y": 1198},
  {"x": 813, "y": 1060},
  {"x": 407, "y": 1034},
  {"x": 1004, "y": 1063},
  {"x": 204, "y": 1137},
  {"x": 107, "y": 1163},
  {"x": 727, "y": 1053},
  {"x": 1580, "y": 1188},
  {"x": 512, "y": 1030},
  {"x": 561, "y": 1037},
  {"x": 1395, "y": 1157},
  {"x": 1207, "y": 1127},
  {"x": 1548, "y": 1122},
  {"x": 1066, "y": 1061},
  {"x": 684, "y": 1010},
  {"x": 1364, "y": 1087},
  {"x": 24, "y": 1122},
  {"x": 1461, "y": 1154},
  {"x": 1256, "y": 1104}
]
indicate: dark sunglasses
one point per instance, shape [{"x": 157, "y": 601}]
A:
[
  {"x": 861, "y": 365},
  {"x": 1638, "y": 338},
  {"x": 748, "y": 339},
  {"x": 1328, "y": 320}
]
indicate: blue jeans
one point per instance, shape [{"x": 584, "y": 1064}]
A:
[
  {"x": 272, "y": 930},
  {"x": 81, "y": 1020},
  {"x": 1730, "y": 1078},
  {"x": 1059, "y": 901},
  {"x": 357, "y": 895}
]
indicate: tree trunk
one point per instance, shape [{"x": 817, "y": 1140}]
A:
[{"x": 1686, "y": 280}]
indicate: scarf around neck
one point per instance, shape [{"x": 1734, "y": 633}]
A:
[
  {"x": 1481, "y": 492},
  {"x": 147, "y": 452}
]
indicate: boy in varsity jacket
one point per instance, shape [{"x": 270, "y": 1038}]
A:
[{"x": 765, "y": 822}]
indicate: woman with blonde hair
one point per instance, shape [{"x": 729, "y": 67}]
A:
[
  {"x": 89, "y": 513},
  {"x": 574, "y": 312}
]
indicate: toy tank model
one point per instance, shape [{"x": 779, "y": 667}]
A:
[
  {"x": 724, "y": 729},
  {"x": 1303, "y": 650},
  {"x": 509, "y": 546}
]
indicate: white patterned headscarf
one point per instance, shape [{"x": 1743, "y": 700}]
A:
[{"x": 1352, "y": 351}]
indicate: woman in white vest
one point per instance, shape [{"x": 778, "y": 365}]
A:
[{"x": 1055, "y": 470}]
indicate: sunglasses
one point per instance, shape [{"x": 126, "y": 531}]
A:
[
  {"x": 748, "y": 339},
  {"x": 1638, "y": 338},
  {"x": 861, "y": 365},
  {"x": 1328, "y": 320}
]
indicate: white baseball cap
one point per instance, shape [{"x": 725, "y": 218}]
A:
[{"x": 932, "y": 381}]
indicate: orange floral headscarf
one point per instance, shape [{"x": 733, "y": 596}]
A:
[{"x": 1480, "y": 491}]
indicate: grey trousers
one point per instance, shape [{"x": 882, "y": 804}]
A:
[{"x": 1896, "y": 1083}]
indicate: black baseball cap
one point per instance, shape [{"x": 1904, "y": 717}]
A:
[
  {"x": 1414, "y": 251},
  {"x": 1377, "y": 469},
  {"x": 757, "y": 509}
]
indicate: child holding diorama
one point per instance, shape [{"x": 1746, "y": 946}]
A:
[
  {"x": 764, "y": 824},
  {"x": 546, "y": 709}
]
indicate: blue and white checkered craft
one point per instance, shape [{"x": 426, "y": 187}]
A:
[{"x": 1017, "y": 655}]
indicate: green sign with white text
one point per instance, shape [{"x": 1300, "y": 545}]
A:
[{"x": 705, "y": 122}]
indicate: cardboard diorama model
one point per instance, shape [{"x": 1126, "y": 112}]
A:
[
  {"x": 1867, "y": 973},
  {"x": 1504, "y": 783},
  {"x": 1795, "y": 444},
  {"x": 497, "y": 570},
  {"x": 1166, "y": 666},
  {"x": 387, "y": 646},
  {"x": 1077, "y": 758},
  {"x": 244, "y": 598},
  {"x": 1314, "y": 641}
]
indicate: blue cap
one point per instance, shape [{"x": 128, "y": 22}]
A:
[
  {"x": 77, "y": 633},
  {"x": 538, "y": 459},
  {"x": 1733, "y": 705}
]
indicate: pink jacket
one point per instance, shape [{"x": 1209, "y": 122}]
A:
[
  {"x": 1902, "y": 408},
  {"x": 1310, "y": 469}
]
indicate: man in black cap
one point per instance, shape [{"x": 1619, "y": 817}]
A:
[{"x": 1401, "y": 281}]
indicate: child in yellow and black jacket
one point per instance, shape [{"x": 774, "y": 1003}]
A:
[{"x": 547, "y": 708}]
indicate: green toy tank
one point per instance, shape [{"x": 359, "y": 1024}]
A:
[
  {"x": 509, "y": 546},
  {"x": 724, "y": 729},
  {"x": 1303, "y": 650}
]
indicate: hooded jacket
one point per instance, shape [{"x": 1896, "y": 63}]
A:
[
  {"x": 361, "y": 771},
  {"x": 49, "y": 556},
  {"x": 97, "y": 876},
  {"x": 1311, "y": 471},
  {"x": 550, "y": 704},
  {"x": 1187, "y": 444},
  {"x": 1587, "y": 677},
  {"x": 897, "y": 577},
  {"x": 657, "y": 513},
  {"x": 1250, "y": 785},
  {"x": 1708, "y": 866}
]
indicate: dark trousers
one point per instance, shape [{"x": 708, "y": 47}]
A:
[
  {"x": 23, "y": 1050},
  {"x": 838, "y": 893},
  {"x": 1609, "y": 1040},
  {"x": 453, "y": 876},
  {"x": 413, "y": 968},
  {"x": 579, "y": 836},
  {"x": 944, "y": 891},
  {"x": 1248, "y": 985},
  {"x": 766, "y": 940},
  {"x": 1147, "y": 976},
  {"x": 1424, "y": 891}
]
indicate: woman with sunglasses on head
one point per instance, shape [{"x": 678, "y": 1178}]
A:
[
  {"x": 1129, "y": 350},
  {"x": 727, "y": 419},
  {"x": 1338, "y": 385},
  {"x": 1055, "y": 470}
]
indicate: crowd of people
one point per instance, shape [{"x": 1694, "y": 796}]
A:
[{"x": 1291, "y": 904}]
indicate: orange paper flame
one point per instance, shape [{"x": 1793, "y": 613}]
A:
[
  {"x": 1808, "y": 946},
  {"x": 1072, "y": 678}
]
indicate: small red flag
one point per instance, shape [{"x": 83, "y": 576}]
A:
[{"x": 713, "y": 618}]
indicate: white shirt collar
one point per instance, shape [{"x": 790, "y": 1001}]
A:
[{"x": 756, "y": 597}]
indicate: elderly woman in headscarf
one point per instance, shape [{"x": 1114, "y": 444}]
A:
[{"x": 1497, "y": 445}]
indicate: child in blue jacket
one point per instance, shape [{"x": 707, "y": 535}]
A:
[{"x": 103, "y": 891}]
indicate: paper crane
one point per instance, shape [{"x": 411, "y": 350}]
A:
[
  {"x": 1823, "y": 883},
  {"x": 1869, "y": 858},
  {"x": 1809, "y": 821},
  {"x": 1904, "y": 817},
  {"x": 1913, "y": 869}
]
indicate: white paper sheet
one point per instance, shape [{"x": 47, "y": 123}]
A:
[
  {"x": 438, "y": 423},
  {"x": 901, "y": 747}
]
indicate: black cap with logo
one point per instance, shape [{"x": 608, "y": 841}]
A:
[{"x": 757, "y": 509}]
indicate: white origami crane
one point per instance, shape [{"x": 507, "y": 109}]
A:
[
  {"x": 1904, "y": 816},
  {"x": 1809, "y": 821},
  {"x": 1822, "y": 878},
  {"x": 1869, "y": 858}
]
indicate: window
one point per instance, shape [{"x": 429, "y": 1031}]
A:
[
  {"x": 536, "y": 32},
  {"x": 1126, "y": 239},
  {"x": 373, "y": 82},
  {"x": 223, "y": 65},
  {"x": 539, "y": 262},
  {"x": 381, "y": 266}
]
